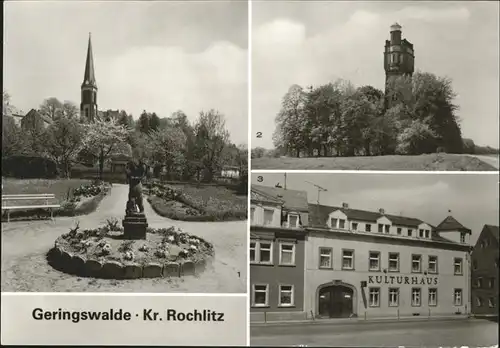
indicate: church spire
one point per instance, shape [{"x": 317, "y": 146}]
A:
[
  {"x": 89, "y": 77},
  {"x": 88, "y": 106}
]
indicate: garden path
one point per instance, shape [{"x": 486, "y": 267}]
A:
[{"x": 25, "y": 244}]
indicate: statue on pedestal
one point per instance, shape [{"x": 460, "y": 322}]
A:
[{"x": 135, "y": 223}]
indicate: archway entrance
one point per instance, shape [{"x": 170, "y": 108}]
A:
[{"x": 336, "y": 301}]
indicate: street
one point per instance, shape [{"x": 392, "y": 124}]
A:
[{"x": 442, "y": 333}]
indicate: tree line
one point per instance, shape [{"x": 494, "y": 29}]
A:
[
  {"x": 184, "y": 150},
  {"x": 414, "y": 115}
]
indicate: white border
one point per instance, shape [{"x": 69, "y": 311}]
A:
[
  {"x": 129, "y": 294},
  {"x": 249, "y": 161},
  {"x": 326, "y": 171}
]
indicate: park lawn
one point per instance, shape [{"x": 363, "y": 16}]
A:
[
  {"x": 59, "y": 187},
  {"x": 211, "y": 203},
  {"x": 429, "y": 162}
]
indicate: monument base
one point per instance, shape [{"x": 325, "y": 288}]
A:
[{"x": 134, "y": 226}]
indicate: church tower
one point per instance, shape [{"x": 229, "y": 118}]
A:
[
  {"x": 88, "y": 106},
  {"x": 399, "y": 58}
]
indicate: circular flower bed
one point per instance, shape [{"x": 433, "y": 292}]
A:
[{"x": 104, "y": 253}]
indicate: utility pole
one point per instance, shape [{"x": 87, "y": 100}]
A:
[
  {"x": 320, "y": 189},
  {"x": 285, "y": 181}
]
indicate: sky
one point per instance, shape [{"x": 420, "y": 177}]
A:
[
  {"x": 313, "y": 43},
  {"x": 472, "y": 198},
  {"x": 154, "y": 56}
]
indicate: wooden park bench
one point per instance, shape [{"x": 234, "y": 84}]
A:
[{"x": 42, "y": 201}]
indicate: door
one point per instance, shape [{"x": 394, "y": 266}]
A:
[{"x": 335, "y": 302}]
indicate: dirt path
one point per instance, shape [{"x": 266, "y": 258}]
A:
[
  {"x": 24, "y": 245},
  {"x": 491, "y": 160}
]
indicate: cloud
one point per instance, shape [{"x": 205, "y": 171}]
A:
[{"x": 431, "y": 15}]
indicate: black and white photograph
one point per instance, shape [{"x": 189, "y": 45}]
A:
[
  {"x": 394, "y": 85},
  {"x": 125, "y": 146},
  {"x": 374, "y": 260}
]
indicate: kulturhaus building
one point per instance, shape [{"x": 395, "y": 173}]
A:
[{"x": 340, "y": 262}]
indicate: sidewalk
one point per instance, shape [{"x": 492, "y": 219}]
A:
[{"x": 347, "y": 321}]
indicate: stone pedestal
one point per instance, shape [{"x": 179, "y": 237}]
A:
[{"x": 135, "y": 225}]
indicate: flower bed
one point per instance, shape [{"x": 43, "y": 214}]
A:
[
  {"x": 204, "y": 203},
  {"x": 104, "y": 253}
]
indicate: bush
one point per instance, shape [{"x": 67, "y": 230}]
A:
[
  {"x": 29, "y": 167},
  {"x": 88, "y": 190}
]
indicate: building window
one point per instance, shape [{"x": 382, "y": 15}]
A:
[
  {"x": 399, "y": 231},
  {"x": 293, "y": 220},
  {"x": 287, "y": 254},
  {"x": 286, "y": 296},
  {"x": 410, "y": 232},
  {"x": 416, "y": 263},
  {"x": 457, "y": 297},
  {"x": 393, "y": 297},
  {"x": 421, "y": 233},
  {"x": 416, "y": 297},
  {"x": 462, "y": 237},
  {"x": 268, "y": 217},
  {"x": 374, "y": 297},
  {"x": 342, "y": 223},
  {"x": 252, "y": 251},
  {"x": 325, "y": 258},
  {"x": 491, "y": 302},
  {"x": 252, "y": 215},
  {"x": 433, "y": 264},
  {"x": 427, "y": 233},
  {"x": 393, "y": 262},
  {"x": 261, "y": 252},
  {"x": 368, "y": 227},
  {"x": 479, "y": 283},
  {"x": 433, "y": 296},
  {"x": 374, "y": 261},
  {"x": 260, "y": 296},
  {"x": 380, "y": 228},
  {"x": 333, "y": 222},
  {"x": 457, "y": 266},
  {"x": 387, "y": 228},
  {"x": 347, "y": 259},
  {"x": 479, "y": 301},
  {"x": 491, "y": 283},
  {"x": 354, "y": 226}
]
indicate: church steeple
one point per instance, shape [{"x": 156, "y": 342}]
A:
[{"x": 88, "y": 106}]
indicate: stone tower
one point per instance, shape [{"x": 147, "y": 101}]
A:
[
  {"x": 88, "y": 106},
  {"x": 399, "y": 58}
]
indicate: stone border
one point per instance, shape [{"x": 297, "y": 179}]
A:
[{"x": 78, "y": 265}]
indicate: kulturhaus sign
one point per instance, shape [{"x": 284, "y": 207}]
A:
[{"x": 403, "y": 280}]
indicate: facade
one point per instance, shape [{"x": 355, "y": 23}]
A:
[
  {"x": 485, "y": 273},
  {"x": 88, "y": 105},
  {"x": 352, "y": 263},
  {"x": 277, "y": 245},
  {"x": 399, "y": 56},
  {"x": 373, "y": 264}
]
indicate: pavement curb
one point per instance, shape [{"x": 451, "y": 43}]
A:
[{"x": 356, "y": 321}]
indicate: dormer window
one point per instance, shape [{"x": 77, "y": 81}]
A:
[
  {"x": 342, "y": 223},
  {"x": 421, "y": 233},
  {"x": 333, "y": 222},
  {"x": 410, "y": 232},
  {"x": 387, "y": 228},
  {"x": 380, "y": 228},
  {"x": 354, "y": 226},
  {"x": 268, "y": 217},
  {"x": 293, "y": 220},
  {"x": 462, "y": 237},
  {"x": 427, "y": 234}
]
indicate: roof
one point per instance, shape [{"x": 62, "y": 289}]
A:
[
  {"x": 293, "y": 199},
  {"x": 263, "y": 197},
  {"x": 493, "y": 230},
  {"x": 89, "y": 76},
  {"x": 319, "y": 216},
  {"x": 451, "y": 224},
  {"x": 35, "y": 113}
]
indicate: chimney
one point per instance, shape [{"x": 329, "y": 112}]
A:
[
  {"x": 381, "y": 211},
  {"x": 345, "y": 205}
]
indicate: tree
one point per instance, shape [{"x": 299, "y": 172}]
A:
[
  {"x": 416, "y": 139},
  {"x": 105, "y": 139},
  {"x": 211, "y": 137},
  {"x": 154, "y": 122},
  {"x": 7, "y": 107},
  {"x": 64, "y": 142},
  {"x": 69, "y": 110},
  {"x": 52, "y": 108},
  {"x": 167, "y": 149},
  {"x": 258, "y": 152},
  {"x": 143, "y": 123},
  {"x": 13, "y": 139},
  {"x": 290, "y": 130}
]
